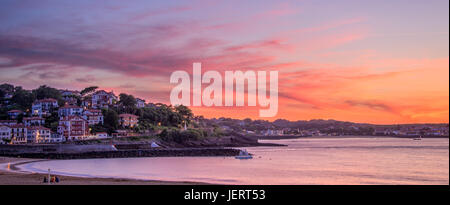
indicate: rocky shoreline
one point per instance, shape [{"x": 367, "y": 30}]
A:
[{"x": 115, "y": 148}]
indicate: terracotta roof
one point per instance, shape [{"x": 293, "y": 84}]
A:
[
  {"x": 37, "y": 128},
  {"x": 33, "y": 118},
  {"x": 17, "y": 126},
  {"x": 68, "y": 118},
  {"x": 8, "y": 120},
  {"x": 127, "y": 115},
  {"x": 102, "y": 91},
  {"x": 69, "y": 106},
  {"x": 94, "y": 110},
  {"x": 15, "y": 111},
  {"x": 47, "y": 100}
]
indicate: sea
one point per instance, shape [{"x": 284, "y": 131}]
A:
[{"x": 304, "y": 161}]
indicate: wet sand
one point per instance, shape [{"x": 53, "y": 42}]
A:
[{"x": 11, "y": 175}]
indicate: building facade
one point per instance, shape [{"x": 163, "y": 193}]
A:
[
  {"x": 5, "y": 134},
  {"x": 8, "y": 122},
  {"x": 14, "y": 114},
  {"x": 102, "y": 99},
  {"x": 93, "y": 116},
  {"x": 38, "y": 134},
  {"x": 33, "y": 121},
  {"x": 70, "y": 110},
  {"x": 128, "y": 120},
  {"x": 44, "y": 106},
  {"x": 70, "y": 96},
  {"x": 140, "y": 103},
  {"x": 73, "y": 128},
  {"x": 19, "y": 134}
]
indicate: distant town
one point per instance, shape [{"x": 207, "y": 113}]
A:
[{"x": 50, "y": 115}]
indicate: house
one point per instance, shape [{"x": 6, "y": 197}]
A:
[
  {"x": 86, "y": 102},
  {"x": 69, "y": 92},
  {"x": 55, "y": 137},
  {"x": 44, "y": 106},
  {"x": 70, "y": 110},
  {"x": 93, "y": 116},
  {"x": 102, "y": 99},
  {"x": 102, "y": 135},
  {"x": 128, "y": 120},
  {"x": 5, "y": 134},
  {"x": 33, "y": 121},
  {"x": 73, "y": 128},
  {"x": 70, "y": 96},
  {"x": 380, "y": 132},
  {"x": 18, "y": 134},
  {"x": 140, "y": 103},
  {"x": 8, "y": 122},
  {"x": 271, "y": 132},
  {"x": 38, "y": 134},
  {"x": 120, "y": 133},
  {"x": 6, "y": 98},
  {"x": 14, "y": 114}
]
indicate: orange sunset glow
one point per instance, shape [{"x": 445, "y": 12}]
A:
[{"x": 370, "y": 64}]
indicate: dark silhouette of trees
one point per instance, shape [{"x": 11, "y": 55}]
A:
[{"x": 88, "y": 90}]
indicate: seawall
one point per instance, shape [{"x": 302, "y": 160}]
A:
[{"x": 182, "y": 152}]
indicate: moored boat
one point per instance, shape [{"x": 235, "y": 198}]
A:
[{"x": 243, "y": 154}]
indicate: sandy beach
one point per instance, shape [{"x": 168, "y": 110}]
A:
[{"x": 11, "y": 175}]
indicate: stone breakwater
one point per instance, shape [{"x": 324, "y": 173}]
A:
[{"x": 181, "y": 152}]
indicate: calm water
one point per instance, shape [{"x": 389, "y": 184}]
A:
[{"x": 304, "y": 161}]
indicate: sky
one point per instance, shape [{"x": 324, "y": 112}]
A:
[{"x": 383, "y": 62}]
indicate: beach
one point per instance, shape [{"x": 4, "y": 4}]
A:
[{"x": 11, "y": 175}]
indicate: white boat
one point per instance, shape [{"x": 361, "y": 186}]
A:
[
  {"x": 243, "y": 154},
  {"x": 418, "y": 138}
]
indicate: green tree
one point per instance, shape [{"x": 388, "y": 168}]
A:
[
  {"x": 184, "y": 112},
  {"x": 99, "y": 128},
  {"x": 88, "y": 90},
  {"x": 22, "y": 98},
  {"x": 127, "y": 100},
  {"x": 52, "y": 121},
  {"x": 46, "y": 92},
  {"x": 111, "y": 119},
  {"x": 2, "y": 94},
  {"x": 7, "y": 88}
]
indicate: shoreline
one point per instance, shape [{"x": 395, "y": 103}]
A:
[
  {"x": 341, "y": 137},
  {"x": 41, "y": 152},
  {"x": 10, "y": 174}
]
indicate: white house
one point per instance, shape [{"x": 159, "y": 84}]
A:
[
  {"x": 102, "y": 135},
  {"x": 44, "y": 106},
  {"x": 8, "y": 122},
  {"x": 70, "y": 110},
  {"x": 140, "y": 103},
  {"x": 5, "y": 134},
  {"x": 55, "y": 137},
  {"x": 73, "y": 128},
  {"x": 33, "y": 121},
  {"x": 38, "y": 134},
  {"x": 13, "y": 114},
  {"x": 102, "y": 98},
  {"x": 93, "y": 116},
  {"x": 69, "y": 96},
  {"x": 19, "y": 133}
]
